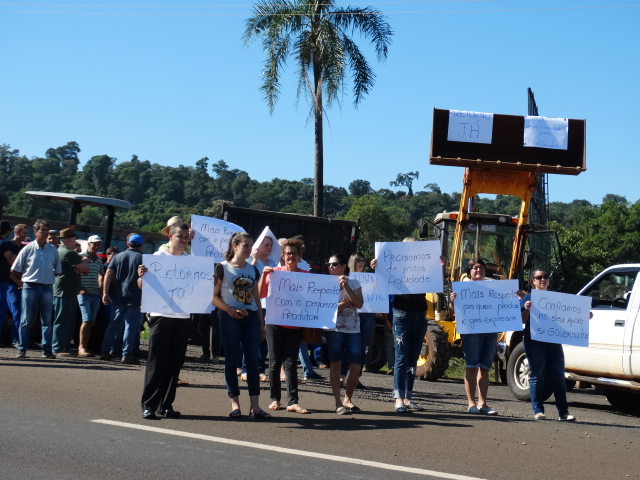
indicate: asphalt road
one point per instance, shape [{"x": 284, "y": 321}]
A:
[{"x": 78, "y": 418}]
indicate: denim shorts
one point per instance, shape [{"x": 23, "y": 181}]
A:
[
  {"x": 479, "y": 349},
  {"x": 339, "y": 343}
]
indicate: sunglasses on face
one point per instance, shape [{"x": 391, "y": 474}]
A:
[
  {"x": 332, "y": 264},
  {"x": 540, "y": 277}
]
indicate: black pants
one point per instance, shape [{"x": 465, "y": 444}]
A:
[
  {"x": 167, "y": 347},
  {"x": 283, "y": 348}
]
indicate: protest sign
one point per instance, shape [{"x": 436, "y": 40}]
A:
[
  {"x": 544, "y": 132},
  {"x": 302, "y": 299},
  {"x": 560, "y": 318},
  {"x": 487, "y": 306},
  {"x": 472, "y": 127},
  {"x": 275, "y": 250},
  {"x": 211, "y": 236},
  {"x": 374, "y": 300},
  {"x": 408, "y": 267},
  {"x": 177, "y": 284}
]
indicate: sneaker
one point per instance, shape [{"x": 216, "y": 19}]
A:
[
  {"x": 313, "y": 375},
  {"x": 487, "y": 411},
  {"x": 473, "y": 409},
  {"x": 567, "y": 418},
  {"x": 540, "y": 416},
  {"x": 130, "y": 361},
  {"x": 48, "y": 355},
  {"x": 21, "y": 355}
]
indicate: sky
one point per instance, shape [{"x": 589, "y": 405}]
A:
[{"x": 174, "y": 83}]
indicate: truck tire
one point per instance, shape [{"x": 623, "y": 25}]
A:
[
  {"x": 435, "y": 354},
  {"x": 518, "y": 376},
  {"x": 623, "y": 400}
]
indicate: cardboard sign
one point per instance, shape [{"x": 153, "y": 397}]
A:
[
  {"x": 543, "y": 132},
  {"x": 560, "y": 318},
  {"x": 408, "y": 267},
  {"x": 487, "y": 306},
  {"x": 177, "y": 284},
  {"x": 302, "y": 299},
  {"x": 375, "y": 301},
  {"x": 470, "y": 127},
  {"x": 211, "y": 236}
]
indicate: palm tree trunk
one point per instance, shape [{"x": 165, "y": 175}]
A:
[{"x": 318, "y": 183}]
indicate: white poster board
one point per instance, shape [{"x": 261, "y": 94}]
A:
[
  {"x": 408, "y": 267},
  {"x": 487, "y": 306},
  {"x": 177, "y": 284},
  {"x": 375, "y": 301},
  {"x": 471, "y": 127},
  {"x": 560, "y": 318},
  {"x": 275, "y": 250},
  {"x": 302, "y": 299},
  {"x": 544, "y": 132},
  {"x": 212, "y": 236}
]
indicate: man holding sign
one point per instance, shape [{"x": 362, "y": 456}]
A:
[
  {"x": 545, "y": 358},
  {"x": 168, "y": 336}
]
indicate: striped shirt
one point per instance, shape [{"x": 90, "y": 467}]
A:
[{"x": 90, "y": 283}]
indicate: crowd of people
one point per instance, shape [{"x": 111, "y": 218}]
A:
[{"x": 40, "y": 279}]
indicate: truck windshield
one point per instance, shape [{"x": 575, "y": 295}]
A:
[{"x": 612, "y": 290}]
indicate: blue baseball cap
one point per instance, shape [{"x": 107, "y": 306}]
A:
[{"x": 135, "y": 239}]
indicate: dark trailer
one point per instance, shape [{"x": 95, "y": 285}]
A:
[{"x": 79, "y": 201}]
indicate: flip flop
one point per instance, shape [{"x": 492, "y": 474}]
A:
[
  {"x": 401, "y": 408},
  {"x": 342, "y": 410},
  {"x": 235, "y": 413},
  {"x": 352, "y": 408},
  {"x": 261, "y": 414}
]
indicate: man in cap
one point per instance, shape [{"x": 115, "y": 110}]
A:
[
  {"x": 65, "y": 292},
  {"x": 8, "y": 252},
  {"x": 34, "y": 270},
  {"x": 89, "y": 298},
  {"x": 123, "y": 273}
]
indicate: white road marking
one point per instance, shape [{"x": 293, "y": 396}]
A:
[{"x": 289, "y": 451}]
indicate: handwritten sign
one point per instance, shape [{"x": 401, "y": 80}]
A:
[
  {"x": 177, "y": 284},
  {"x": 487, "y": 306},
  {"x": 560, "y": 318},
  {"x": 302, "y": 299},
  {"x": 408, "y": 267},
  {"x": 211, "y": 236},
  {"x": 543, "y": 132},
  {"x": 471, "y": 127},
  {"x": 275, "y": 250},
  {"x": 375, "y": 301}
]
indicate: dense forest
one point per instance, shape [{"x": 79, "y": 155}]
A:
[{"x": 592, "y": 236}]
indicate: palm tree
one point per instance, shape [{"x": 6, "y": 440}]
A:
[{"x": 316, "y": 34}]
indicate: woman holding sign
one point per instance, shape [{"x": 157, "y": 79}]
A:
[
  {"x": 344, "y": 341},
  {"x": 478, "y": 350},
  {"x": 544, "y": 358},
  {"x": 241, "y": 324},
  {"x": 283, "y": 341}
]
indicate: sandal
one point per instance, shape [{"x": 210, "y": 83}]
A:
[
  {"x": 342, "y": 410},
  {"x": 235, "y": 413},
  {"x": 297, "y": 409},
  {"x": 401, "y": 408},
  {"x": 414, "y": 406},
  {"x": 274, "y": 405},
  {"x": 351, "y": 407},
  {"x": 261, "y": 414},
  {"x": 263, "y": 378}
]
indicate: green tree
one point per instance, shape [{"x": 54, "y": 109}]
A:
[
  {"x": 317, "y": 34},
  {"x": 405, "y": 180}
]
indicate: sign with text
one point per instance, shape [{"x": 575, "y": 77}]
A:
[
  {"x": 302, "y": 299},
  {"x": 212, "y": 236},
  {"x": 543, "y": 132},
  {"x": 177, "y": 284},
  {"x": 375, "y": 301},
  {"x": 487, "y": 306},
  {"x": 471, "y": 127},
  {"x": 560, "y": 318},
  {"x": 408, "y": 267}
]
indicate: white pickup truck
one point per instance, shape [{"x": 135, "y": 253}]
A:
[{"x": 612, "y": 359}]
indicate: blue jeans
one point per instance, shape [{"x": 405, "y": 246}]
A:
[
  {"x": 65, "y": 319},
  {"x": 307, "y": 366},
  {"x": 408, "y": 333},
  {"x": 367, "y": 322},
  {"x": 240, "y": 335},
  {"x": 546, "y": 360},
  {"x": 89, "y": 305},
  {"x": 129, "y": 318},
  {"x": 14, "y": 300},
  {"x": 36, "y": 297}
]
